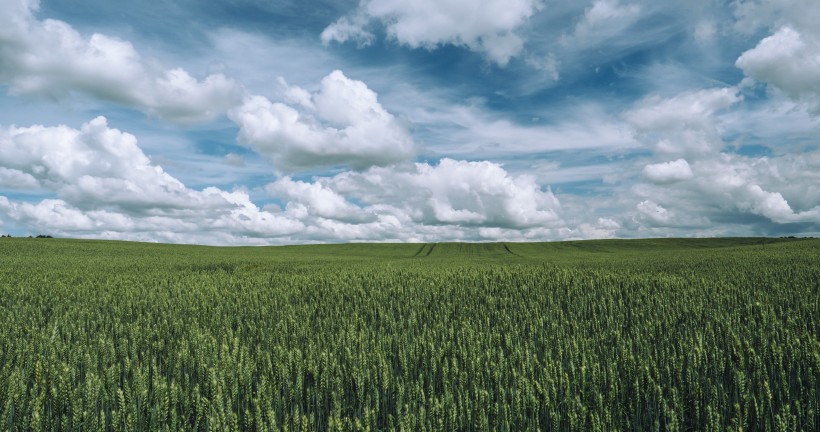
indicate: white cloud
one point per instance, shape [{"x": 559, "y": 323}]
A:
[
  {"x": 246, "y": 219},
  {"x": 796, "y": 176},
  {"x": 318, "y": 200},
  {"x": 16, "y": 179},
  {"x": 243, "y": 223},
  {"x": 705, "y": 31},
  {"x": 603, "y": 20},
  {"x": 95, "y": 165},
  {"x": 656, "y": 214},
  {"x": 668, "y": 172},
  {"x": 602, "y": 228},
  {"x": 108, "y": 188},
  {"x": 340, "y": 124},
  {"x": 49, "y": 214},
  {"x": 547, "y": 64},
  {"x": 454, "y": 200},
  {"x": 456, "y": 193},
  {"x": 473, "y": 132},
  {"x": 780, "y": 123},
  {"x": 685, "y": 123},
  {"x": 101, "y": 183},
  {"x": 713, "y": 186},
  {"x": 745, "y": 185},
  {"x": 789, "y": 61},
  {"x": 234, "y": 160},
  {"x": 51, "y": 59},
  {"x": 726, "y": 187},
  {"x": 663, "y": 218},
  {"x": 751, "y": 15},
  {"x": 348, "y": 28},
  {"x": 490, "y": 27}
]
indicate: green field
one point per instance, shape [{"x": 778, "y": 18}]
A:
[{"x": 677, "y": 334}]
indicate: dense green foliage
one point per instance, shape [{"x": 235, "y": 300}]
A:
[{"x": 603, "y": 335}]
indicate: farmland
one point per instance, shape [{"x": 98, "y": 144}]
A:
[{"x": 677, "y": 334}]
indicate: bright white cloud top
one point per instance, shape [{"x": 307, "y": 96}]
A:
[
  {"x": 378, "y": 120},
  {"x": 342, "y": 123},
  {"x": 489, "y": 28},
  {"x": 49, "y": 58}
]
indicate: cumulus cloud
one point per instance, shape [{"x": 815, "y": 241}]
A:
[
  {"x": 600, "y": 229},
  {"x": 682, "y": 124},
  {"x": 654, "y": 213},
  {"x": 241, "y": 223},
  {"x": 348, "y": 28},
  {"x": 711, "y": 183},
  {"x": 318, "y": 199},
  {"x": 52, "y": 214},
  {"x": 51, "y": 59},
  {"x": 16, "y": 179},
  {"x": 244, "y": 218},
  {"x": 490, "y": 27},
  {"x": 342, "y": 123},
  {"x": 745, "y": 185},
  {"x": 93, "y": 165},
  {"x": 106, "y": 187},
  {"x": 453, "y": 200},
  {"x": 668, "y": 172},
  {"x": 789, "y": 61},
  {"x": 796, "y": 176},
  {"x": 456, "y": 193}
]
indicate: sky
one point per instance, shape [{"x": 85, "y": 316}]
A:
[{"x": 257, "y": 122}]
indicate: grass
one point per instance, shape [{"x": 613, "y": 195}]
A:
[{"x": 658, "y": 334}]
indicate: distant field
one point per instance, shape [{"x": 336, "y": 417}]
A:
[{"x": 661, "y": 334}]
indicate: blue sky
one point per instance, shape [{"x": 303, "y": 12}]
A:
[{"x": 279, "y": 122}]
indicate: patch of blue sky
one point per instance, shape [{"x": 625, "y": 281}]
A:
[
  {"x": 356, "y": 202},
  {"x": 433, "y": 160},
  {"x": 20, "y": 110},
  {"x": 586, "y": 188},
  {"x": 216, "y": 142},
  {"x": 277, "y": 17},
  {"x": 28, "y": 195},
  {"x": 266, "y": 202},
  {"x": 167, "y": 24},
  {"x": 754, "y": 150},
  {"x": 575, "y": 158},
  {"x": 457, "y": 69},
  {"x": 15, "y": 230},
  {"x": 755, "y": 133}
]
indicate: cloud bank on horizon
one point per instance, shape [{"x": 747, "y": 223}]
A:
[{"x": 251, "y": 122}]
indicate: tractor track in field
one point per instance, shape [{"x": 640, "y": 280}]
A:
[
  {"x": 507, "y": 248},
  {"x": 421, "y": 252}
]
